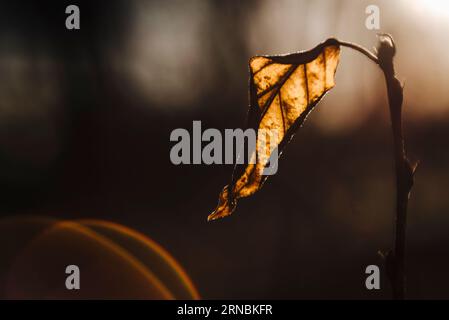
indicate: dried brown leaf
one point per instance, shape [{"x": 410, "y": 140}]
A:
[{"x": 283, "y": 90}]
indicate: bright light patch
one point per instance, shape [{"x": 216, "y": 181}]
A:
[{"x": 434, "y": 8}]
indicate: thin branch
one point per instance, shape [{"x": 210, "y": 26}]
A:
[
  {"x": 395, "y": 261},
  {"x": 404, "y": 168}
]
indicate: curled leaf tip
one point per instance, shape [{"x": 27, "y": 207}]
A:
[{"x": 225, "y": 207}]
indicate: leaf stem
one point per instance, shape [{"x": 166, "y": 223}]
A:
[{"x": 360, "y": 49}]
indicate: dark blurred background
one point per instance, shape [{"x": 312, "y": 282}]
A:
[{"x": 86, "y": 115}]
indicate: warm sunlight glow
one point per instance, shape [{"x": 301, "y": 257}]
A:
[{"x": 432, "y": 7}]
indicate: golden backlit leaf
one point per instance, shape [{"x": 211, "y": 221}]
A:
[{"x": 283, "y": 90}]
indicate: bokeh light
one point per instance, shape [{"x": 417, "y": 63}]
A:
[{"x": 115, "y": 262}]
